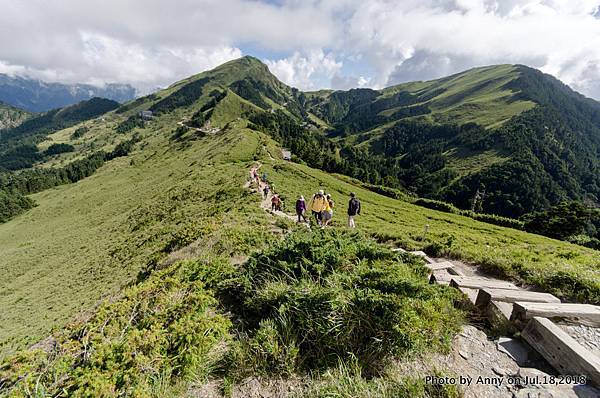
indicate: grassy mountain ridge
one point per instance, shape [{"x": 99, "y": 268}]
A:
[
  {"x": 479, "y": 95},
  {"x": 449, "y": 137},
  {"x": 159, "y": 272}
]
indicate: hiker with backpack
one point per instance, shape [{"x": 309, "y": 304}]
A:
[
  {"x": 266, "y": 191},
  {"x": 301, "y": 209},
  {"x": 353, "y": 209},
  {"x": 275, "y": 203},
  {"x": 317, "y": 204}
]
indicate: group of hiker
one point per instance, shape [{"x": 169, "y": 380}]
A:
[{"x": 321, "y": 205}]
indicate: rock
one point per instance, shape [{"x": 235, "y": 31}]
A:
[
  {"x": 535, "y": 393},
  {"x": 463, "y": 354},
  {"x": 515, "y": 349},
  {"x": 498, "y": 371}
]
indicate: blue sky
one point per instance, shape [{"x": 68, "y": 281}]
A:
[{"x": 309, "y": 44}]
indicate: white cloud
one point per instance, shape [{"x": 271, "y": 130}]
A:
[
  {"x": 441, "y": 37},
  {"x": 325, "y": 43},
  {"x": 304, "y": 71}
]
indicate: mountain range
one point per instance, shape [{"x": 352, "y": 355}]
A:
[
  {"x": 138, "y": 258},
  {"x": 519, "y": 137},
  {"x": 37, "y": 96}
]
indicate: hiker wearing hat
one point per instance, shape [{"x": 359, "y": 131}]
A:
[
  {"x": 301, "y": 209},
  {"x": 318, "y": 203},
  {"x": 353, "y": 209}
]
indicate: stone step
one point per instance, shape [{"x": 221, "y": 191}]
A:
[
  {"x": 584, "y": 314},
  {"x": 498, "y": 314},
  {"x": 561, "y": 351},
  {"x": 480, "y": 283},
  {"x": 441, "y": 277},
  {"x": 510, "y": 296},
  {"x": 439, "y": 266},
  {"x": 422, "y": 254},
  {"x": 470, "y": 293}
]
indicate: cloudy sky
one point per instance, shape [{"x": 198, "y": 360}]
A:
[{"x": 309, "y": 44}]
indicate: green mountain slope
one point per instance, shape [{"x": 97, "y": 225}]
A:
[
  {"x": 11, "y": 116},
  {"x": 480, "y": 95},
  {"x": 98, "y": 263},
  {"x": 521, "y": 136},
  {"x": 18, "y": 144}
]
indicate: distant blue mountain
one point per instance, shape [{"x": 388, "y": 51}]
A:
[{"x": 38, "y": 96}]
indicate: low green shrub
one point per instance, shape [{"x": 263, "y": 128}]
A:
[
  {"x": 585, "y": 240},
  {"x": 437, "y": 205},
  {"x": 56, "y": 149},
  {"x": 165, "y": 327},
  {"x": 333, "y": 295},
  {"x": 386, "y": 191},
  {"x": 79, "y": 132},
  {"x": 129, "y": 124},
  {"x": 488, "y": 218}
]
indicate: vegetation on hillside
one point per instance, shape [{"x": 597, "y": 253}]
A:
[
  {"x": 11, "y": 116},
  {"x": 14, "y": 186},
  {"x": 186, "y": 280},
  {"x": 18, "y": 145},
  {"x": 301, "y": 307}
]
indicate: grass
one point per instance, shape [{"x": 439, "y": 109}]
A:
[
  {"x": 86, "y": 240},
  {"x": 567, "y": 270},
  {"x": 97, "y": 265},
  {"x": 324, "y": 296},
  {"x": 351, "y": 308},
  {"x": 477, "y": 95}
]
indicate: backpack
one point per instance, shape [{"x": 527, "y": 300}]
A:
[{"x": 354, "y": 207}]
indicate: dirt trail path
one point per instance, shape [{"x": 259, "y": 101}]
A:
[{"x": 265, "y": 202}]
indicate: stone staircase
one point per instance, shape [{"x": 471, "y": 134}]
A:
[{"x": 539, "y": 319}]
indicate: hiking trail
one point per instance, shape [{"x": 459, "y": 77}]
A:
[
  {"x": 266, "y": 201},
  {"x": 534, "y": 345}
]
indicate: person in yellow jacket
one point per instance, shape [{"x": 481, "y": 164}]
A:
[
  {"x": 327, "y": 213},
  {"x": 318, "y": 203}
]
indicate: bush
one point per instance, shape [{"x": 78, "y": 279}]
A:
[
  {"x": 437, "y": 205},
  {"x": 333, "y": 295},
  {"x": 179, "y": 132},
  {"x": 488, "y": 218},
  {"x": 129, "y": 124},
  {"x": 386, "y": 191},
  {"x": 494, "y": 219},
  {"x": 164, "y": 328},
  {"x": 560, "y": 222},
  {"x": 13, "y": 204},
  {"x": 79, "y": 132},
  {"x": 585, "y": 240},
  {"x": 56, "y": 149}
]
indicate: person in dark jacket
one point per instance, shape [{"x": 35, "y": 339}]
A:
[
  {"x": 353, "y": 209},
  {"x": 301, "y": 209}
]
